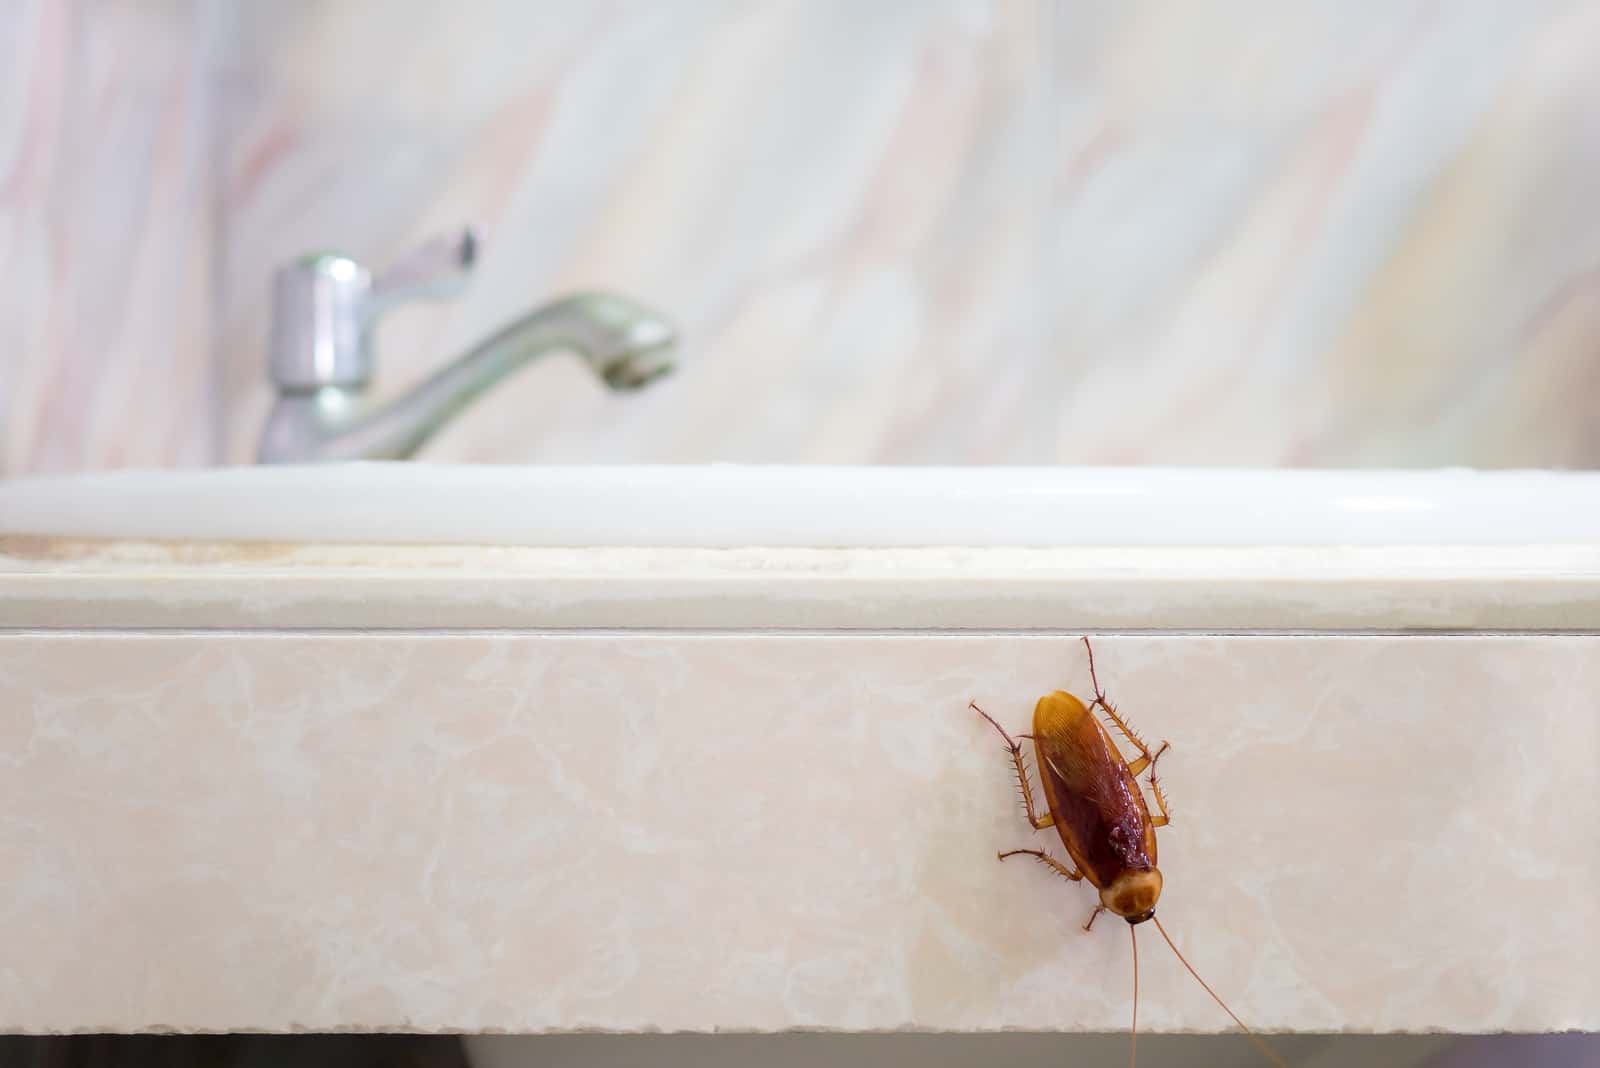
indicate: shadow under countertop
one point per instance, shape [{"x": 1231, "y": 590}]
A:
[{"x": 232, "y": 1051}]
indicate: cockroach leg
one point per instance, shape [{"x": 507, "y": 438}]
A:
[
  {"x": 1098, "y": 695},
  {"x": 1039, "y": 822},
  {"x": 1010, "y": 744},
  {"x": 1072, "y": 874},
  {"x": 1145, "y": 759},
  {"x": 1098, "y": 909},
  {"x": 1155, "y": 788},
  {"x": 1148, "y": 760}
]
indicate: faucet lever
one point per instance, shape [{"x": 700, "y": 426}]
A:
[{"x": 436, "y": 269}]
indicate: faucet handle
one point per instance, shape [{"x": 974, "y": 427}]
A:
[
  {"x": 436, "y": 269},
  {"x": 324, "y": 305}
]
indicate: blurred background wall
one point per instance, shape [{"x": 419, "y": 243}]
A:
[{"x": 907, "y": 231}]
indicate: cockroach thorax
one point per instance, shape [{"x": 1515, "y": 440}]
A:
[{"x": 1133, "y": 895}]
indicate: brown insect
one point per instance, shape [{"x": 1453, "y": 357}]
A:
[{"x": 1093, "y": 800}]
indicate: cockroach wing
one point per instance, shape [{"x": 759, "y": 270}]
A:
[{"x": 1099, "y": 810}]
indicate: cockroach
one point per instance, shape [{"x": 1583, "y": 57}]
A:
[{"x": 1093, "y": 800}]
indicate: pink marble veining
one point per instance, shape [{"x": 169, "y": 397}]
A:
[
  {"x": 106, "y": 237},
  {"x": 951, "y": 232},
  {"x": 954, "y": 232}
]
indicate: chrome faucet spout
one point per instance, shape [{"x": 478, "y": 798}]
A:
[{"x": 322, "y": 412}]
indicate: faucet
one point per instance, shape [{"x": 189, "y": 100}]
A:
[{"x": 324, "y": 308}]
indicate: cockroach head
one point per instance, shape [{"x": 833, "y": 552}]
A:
[{"x": 1133, "y": 895}]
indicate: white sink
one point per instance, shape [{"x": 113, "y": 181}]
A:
[{"x": 726, "y": 506}]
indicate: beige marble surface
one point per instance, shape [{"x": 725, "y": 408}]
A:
[
  {"x": 961, "y": 231},
  {"x": 754, "y": 832}
]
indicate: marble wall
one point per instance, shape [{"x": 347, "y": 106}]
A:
[
  {"x": 107, "y": 235},
  {"x": 962, "y": 231}
]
